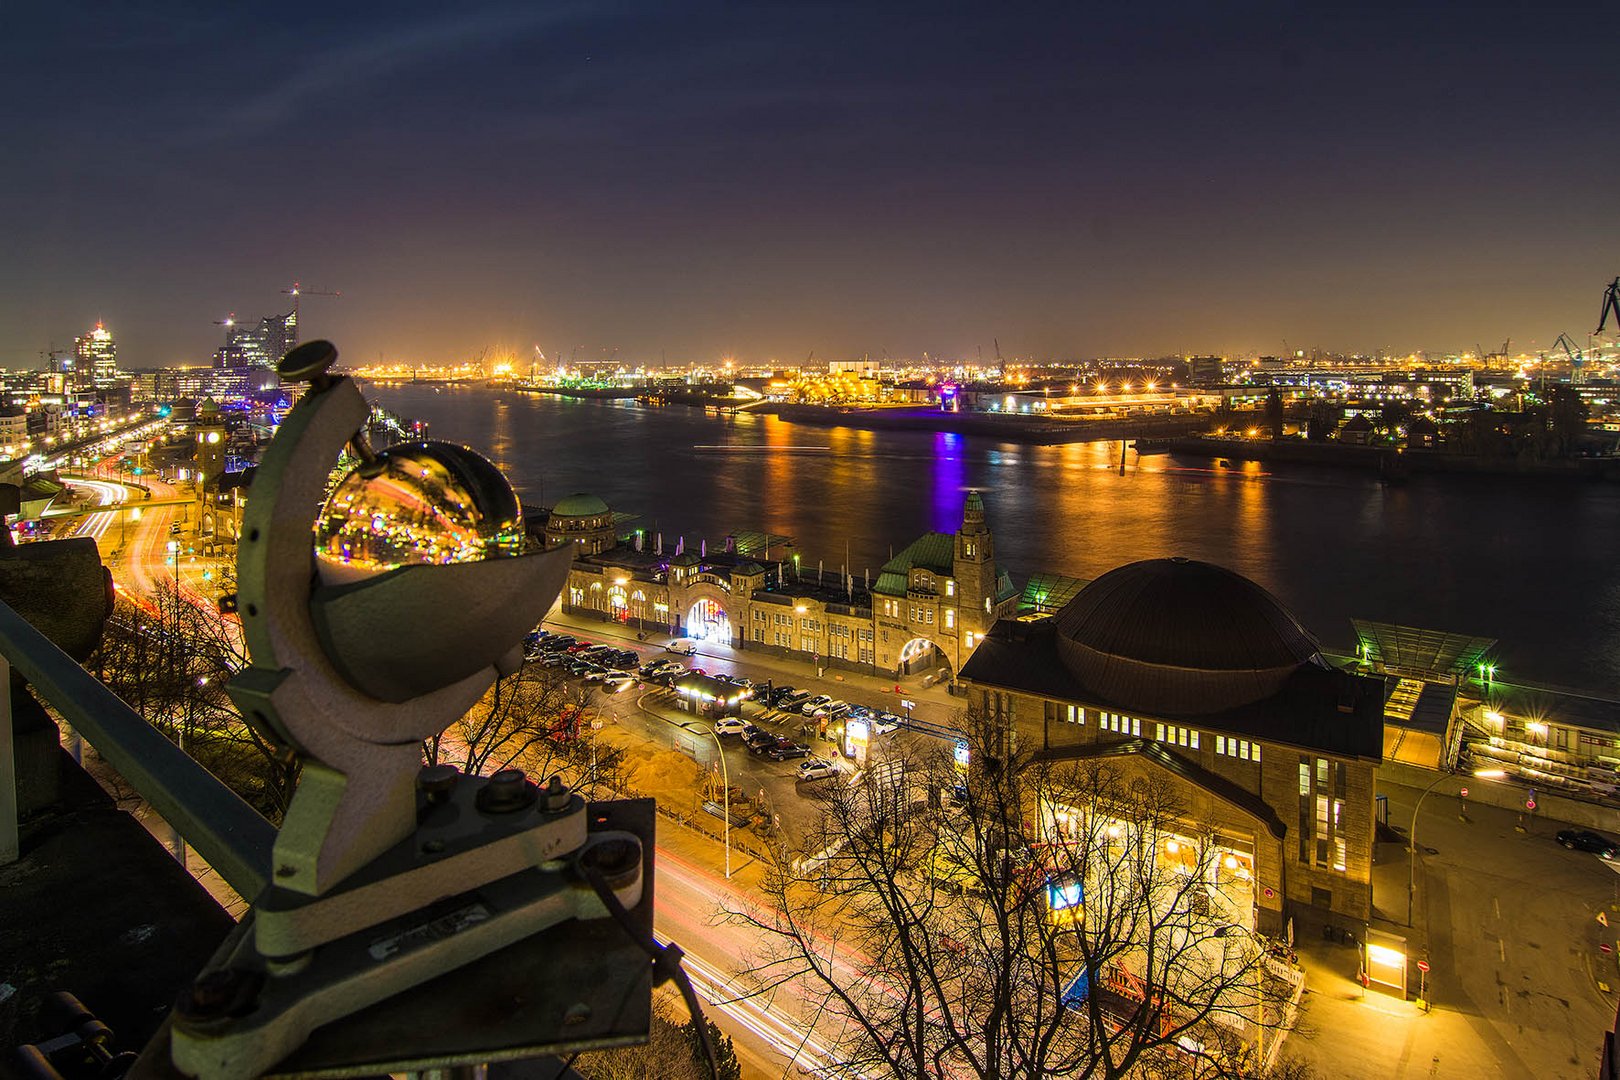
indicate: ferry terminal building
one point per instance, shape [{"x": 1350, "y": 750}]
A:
[
  {"x": 930, "y": 607},
  {"x": 1179, "y": 670}
]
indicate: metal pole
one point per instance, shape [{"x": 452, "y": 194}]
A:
[
  {"x": 10, "y": 839},
  {"x": 725, "y": 778},
  {"x": 1411, "y": 844}
]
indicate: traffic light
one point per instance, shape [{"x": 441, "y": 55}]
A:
[{"x": 174, "y": 529}]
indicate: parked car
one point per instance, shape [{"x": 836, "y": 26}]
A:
[
  {"x": 730, "y": 725},
  {"x": 816, "y": 769},
  {"x": 1585, "y": 840},
  {"x": 618, "y": 683},
  {"x": 782, "y": 693},
  {"x": 681, "y": 649},
  {"x": 833, "y": 710},
  {"x": 794, "y": 700},
  {"x": 886, "y": 722},
  {"x": 785, "y": 748},
  {"x": 809, "y": 707},
  {"x": 760, "y": 741}
]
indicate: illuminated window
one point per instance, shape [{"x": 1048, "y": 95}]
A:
[
  {"x": 950, "y": 587},
  {"x": 950, "y": 618}
]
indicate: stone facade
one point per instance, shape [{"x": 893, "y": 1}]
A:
[
  {"x": 1287, "y": 779},
  {"x": 930, "y": 606},
  {"x": 1286, "y": 873}
]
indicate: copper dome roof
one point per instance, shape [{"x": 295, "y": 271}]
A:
[{"x": 1175, "y": 637}]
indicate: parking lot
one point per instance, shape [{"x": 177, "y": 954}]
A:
[{"x": 774, "y": 716}]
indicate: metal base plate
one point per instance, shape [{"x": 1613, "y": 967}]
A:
[{"x": 575, "y": 986}]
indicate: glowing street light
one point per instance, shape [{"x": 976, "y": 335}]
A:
[{"x": 1411, "y": 833}]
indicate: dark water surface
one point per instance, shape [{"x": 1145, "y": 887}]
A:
[{"x": 1529, "y": 562}]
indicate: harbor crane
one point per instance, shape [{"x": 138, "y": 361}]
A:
[
  {"x": 1611, "y": 303},
  {"x": 1574, "y": 354}
]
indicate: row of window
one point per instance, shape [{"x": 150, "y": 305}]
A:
[
  {"x": 1177, "y": 736},
  {"x": 925, "y": 583},
  {"x": 1165, "y": 733},
  {"x": 1068, "y": 714},
  {"x": 844, "y": 651},
  {"x": 1124, "y": 725},
  {"x": 1238, "y": 748}
]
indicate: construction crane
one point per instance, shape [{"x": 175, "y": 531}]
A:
[
  {"x": 1611, "y": 302},
  {"x": 296, "y": 291},
  {"x": 1574, "y": 354}
]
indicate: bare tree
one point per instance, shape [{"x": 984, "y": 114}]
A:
[
  {"x": 1028, "y": 919},
  {"x": 537, "y": 720},
  {"x": 170, "y": 659}
]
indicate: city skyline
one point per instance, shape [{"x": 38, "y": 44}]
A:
[{"x": 847, "y": 180}]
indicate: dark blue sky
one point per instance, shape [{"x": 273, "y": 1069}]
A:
[{"x": 765, "y": 180}]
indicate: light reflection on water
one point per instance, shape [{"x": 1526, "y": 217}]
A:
[{"x": 1530, "y": 563}]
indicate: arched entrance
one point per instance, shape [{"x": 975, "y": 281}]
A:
[
  {"x": 920, "y": 656},
  {"x": 707, "y": 621}
]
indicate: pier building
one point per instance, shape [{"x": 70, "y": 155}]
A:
[{"x": 928, "y": 609}]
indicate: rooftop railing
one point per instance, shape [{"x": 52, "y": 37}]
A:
[{"x": 225, "y": 831}]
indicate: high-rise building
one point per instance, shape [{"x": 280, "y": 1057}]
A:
[
  {"x": 96, "y": 355},
  {"x": 259, "y": 345}
]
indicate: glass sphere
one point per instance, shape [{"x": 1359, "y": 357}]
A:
[{"x": 425, "y": 503}]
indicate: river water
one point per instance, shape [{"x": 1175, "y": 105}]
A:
[{"x": 1530, "y": 562}]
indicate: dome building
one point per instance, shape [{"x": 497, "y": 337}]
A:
[
  {"x": 584, "y": 521},
  {"x": 1195, "y": 675}
]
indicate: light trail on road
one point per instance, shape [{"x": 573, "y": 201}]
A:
[
  {"x": 689, "y": 906},
  {"x": 96, "y": 525}
]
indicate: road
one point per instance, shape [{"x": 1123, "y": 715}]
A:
[
  {"x": 1520, "y": 986},
  {"x": 769, "y": 1031}
]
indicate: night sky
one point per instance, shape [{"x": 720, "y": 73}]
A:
[{"x": 765, "y": 180}]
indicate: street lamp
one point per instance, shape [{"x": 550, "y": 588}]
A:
[
  {"x": 1411, "y": 834},
  {"x": 725, "y": 803}
]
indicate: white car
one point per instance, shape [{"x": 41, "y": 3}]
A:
[
  {"x": 820, "y": 701},
  {"x": 618, "y": 684},
  {"x": 729, "y": 725},
  {"x": 816, "y": 769}
]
